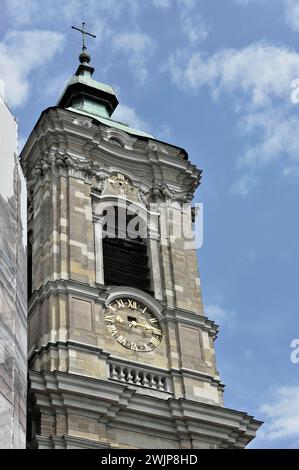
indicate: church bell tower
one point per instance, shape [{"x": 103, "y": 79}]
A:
[{"x": 121, "y": 354}]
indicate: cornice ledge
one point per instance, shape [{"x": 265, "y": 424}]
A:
[
  {"x": 68, "y": 442},
  {"x": 192, "y": 318},
  {"x": 65, "y": 286}
]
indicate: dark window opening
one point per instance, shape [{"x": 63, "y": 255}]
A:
[{"x": 125, "y": 251}]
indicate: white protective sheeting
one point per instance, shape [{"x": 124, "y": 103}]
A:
[{"x": 13, "y": 290}]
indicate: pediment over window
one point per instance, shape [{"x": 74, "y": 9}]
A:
[
  {"x": 116, "y": 142},
  {"x": 119, "y": 138}
]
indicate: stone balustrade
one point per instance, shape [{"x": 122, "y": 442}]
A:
[{"x": 137, "y": 376}]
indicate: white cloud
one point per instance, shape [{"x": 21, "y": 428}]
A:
[
  {"x": 193, "y": 26},
  {"x": 260, "y": 72},
  {"x": 219, "y": 314},
  {"x": 257, "y": 79},
  {"x": 277, "y": 136},
  {"x": 137, "y": 47},
  {"x": 28, "y": 12},
  {"x": 102, "y": 30},
  {"x": 244, "y": 185},
  {"x": 128, "y": 115},
  {"x": 292, "y": 13},
  {"x": 281, "y": 414},
  {"x": 161, "y": 3},
  {"x": 291, "y": 173},
  {"x": 133, "y": 42},
  {"x": 104, "y": 18},
  {"x": 55, "y": 85},
  {"x": 187, "y": 3},
  {"x": 61, "y": 15},
  {"x": 21, "y": 54}
]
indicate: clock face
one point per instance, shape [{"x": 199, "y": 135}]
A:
[{"x": 133, "y": 325}]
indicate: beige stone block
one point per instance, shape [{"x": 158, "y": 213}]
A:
[
  {"x": 191, "y": 347},
  {"x": 81, "y": 314}
]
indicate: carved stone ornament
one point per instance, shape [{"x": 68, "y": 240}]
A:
[
  {"x": 100, "y": 183},
  {"x": 83, "y": 122},
  {"x": 144, "y": 196},
  {"x": 53, "y": 160},
  {"x": 155, "y": 147},
  {"x": 164, "y": 191},
  {"x": 121, "y": 184}
]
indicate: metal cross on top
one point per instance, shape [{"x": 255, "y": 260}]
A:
[{"x": 84, "y": 33}]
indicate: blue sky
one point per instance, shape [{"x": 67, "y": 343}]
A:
[{"x": 214, "y": 77}]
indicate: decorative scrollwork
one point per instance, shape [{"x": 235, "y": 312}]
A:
[
  {"x": 83, "y": 122},
  {"x": 89, "y": 168},
  {"x": 162, "y": 191},
  {"x": 143, "y": 196},
  {"x": 121, "y": 184},
  {"x": 157, "y": 148}
]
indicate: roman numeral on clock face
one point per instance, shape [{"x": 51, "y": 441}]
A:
[
  {"x": 132, "y": 304},
  {"x": 109, "y": 318},
  {"x": 134, "y": 347},
  {"x": 153, "y": 320},
  {"x": 155, "y": 341},
  {"x": 112, "y": 308},
  {"x": 158, "y": 332},
  {"x": 112, "y": 329},
  {"x": 120, "y": 303},
  {"x": 121, "y": 339}
]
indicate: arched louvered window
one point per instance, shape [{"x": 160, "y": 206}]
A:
[{"x": 125, "y": 249}]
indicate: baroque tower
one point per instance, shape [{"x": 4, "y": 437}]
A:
[{"x": 121, "y": 353}]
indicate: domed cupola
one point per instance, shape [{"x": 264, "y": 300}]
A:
[{"x": 83, "y": 93}]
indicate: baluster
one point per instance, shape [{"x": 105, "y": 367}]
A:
[
  {"x": 151, "y": 382},
  {"x": 130, "y": 376},
  {"x": 122, "y": 374},
  {"x": 117, "y": 372},
  {"x": 113, "y": 371},
  {"x": 133, "y": 376},
  {"x": 156, "y": 381},
  {"x": 145, "y": 380},
  {"x": 140, "y": 379}
]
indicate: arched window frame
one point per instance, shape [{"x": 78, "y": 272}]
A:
[{"x": 152, "y": 240}]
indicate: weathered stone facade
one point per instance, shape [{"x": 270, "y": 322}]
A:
[
  {"x": 86, "y": 390},
  {"x": 13, "y": 295}
]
